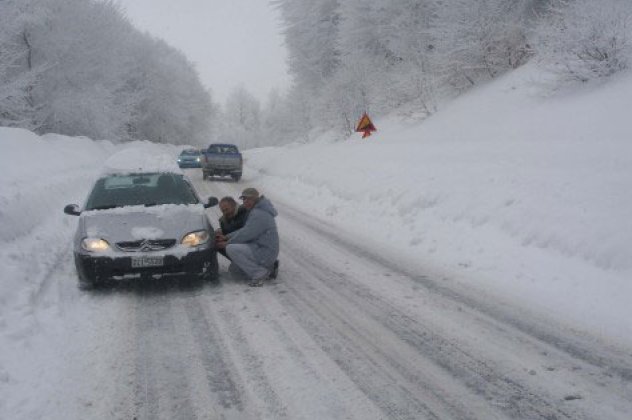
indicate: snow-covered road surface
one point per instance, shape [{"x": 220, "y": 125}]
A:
[{"x": 342, "y": 333}]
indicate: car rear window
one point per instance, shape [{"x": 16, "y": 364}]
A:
[
  {"x": 223, "y": 149},
  {"x": 140, "y": 189}
]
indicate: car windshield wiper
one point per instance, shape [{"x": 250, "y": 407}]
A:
[
  {"x": 162, "y": 203},
  {"x": 105, "y": 207}
]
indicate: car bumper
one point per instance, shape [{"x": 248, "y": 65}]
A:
[
  {"x": 98, "y": 268},
  {"x": 222, "y": 171},
  {"x": 189, "y": 165}
]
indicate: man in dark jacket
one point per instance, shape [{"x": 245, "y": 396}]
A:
[
  {"x": 255, "y": 247},
  {"x": 233, "y": 218}
]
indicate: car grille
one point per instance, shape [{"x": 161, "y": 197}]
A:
[{"x": 146, "y": 245}]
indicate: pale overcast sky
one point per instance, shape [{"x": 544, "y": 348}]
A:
[{"x": 232, "y": 42}]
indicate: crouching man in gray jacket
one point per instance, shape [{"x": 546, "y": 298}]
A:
[{"x": 255, "y": 247}]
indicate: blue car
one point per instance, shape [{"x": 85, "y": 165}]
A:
[{"x": 190, "y": 158}]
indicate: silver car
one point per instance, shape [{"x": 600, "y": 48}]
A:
[{"x": 142, "y": 225}]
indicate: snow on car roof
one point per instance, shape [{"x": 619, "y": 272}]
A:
[{"x": 139, "y": 160}]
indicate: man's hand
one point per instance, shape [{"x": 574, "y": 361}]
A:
[{"x": 220, "y": 240}]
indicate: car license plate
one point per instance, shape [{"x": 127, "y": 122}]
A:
[{"x": 139, "y": 262}]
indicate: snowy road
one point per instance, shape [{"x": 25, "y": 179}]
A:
[{"x": 343, "y": 333}]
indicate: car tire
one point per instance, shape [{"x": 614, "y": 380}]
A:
[
  {"x": 211, "y": 274},
  {"x": 86, "y": 281},
  {"x": 87, "y": 285},
  {"x": 236, "y": 178},
  {"x": 204, "y": 175}
]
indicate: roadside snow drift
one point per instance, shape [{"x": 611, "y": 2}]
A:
[{"x": 525, "y": 195}]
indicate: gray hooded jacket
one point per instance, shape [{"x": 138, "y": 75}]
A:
[{"x": 259, "y": 232}]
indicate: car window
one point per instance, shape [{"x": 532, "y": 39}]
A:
[
  {"x": 140, "y": 189},
  {"x": 223, "y": 149},
  {"x": 190, "y": 152}
]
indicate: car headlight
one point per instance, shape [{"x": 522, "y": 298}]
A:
[
  {"x": 197, "y": 159},
  {"x": 95, "y": 244},
  {"x": 196, "y": 238}
]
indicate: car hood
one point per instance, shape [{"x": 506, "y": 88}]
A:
[{"x": 136, "y": 223}]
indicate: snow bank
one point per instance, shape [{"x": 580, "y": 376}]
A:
[
  {"x": 524, "y": 195},
  {"x": 39, "y": 175},
  {"x": 36, "y": 170}
]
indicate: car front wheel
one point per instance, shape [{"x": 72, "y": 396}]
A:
[
  {"x": 211, "y": 270},
  {"x": 87, "y": 281}
]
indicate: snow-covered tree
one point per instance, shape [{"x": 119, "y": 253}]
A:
[
  {"x": 277, "y": 120},
  {"x": 311, "y": 35},
  {"x": 241, "y": 120},
  {"x": 83, "y": 46},
  {"x": 18, "y": 73},
  {"x": 173, "y": 106},
  {"x": 78, "y": 67},
  {"x": 584, "y": 40},
  {"x": 480, "y": 39},
  {"x": 349, "y": 94},
  {"x": 394, "y": 42}
]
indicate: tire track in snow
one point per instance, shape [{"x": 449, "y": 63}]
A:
[
  {"x": 162, "y": 387},
  {"x": 489, "y": 390},
  {"x": 513, "y": 393},
  {"x": 215, "y": 359},
  {"x": 310, "y": 384},
  {"x": 615, "y": 361},
  {"x": 366, "y": 364},
  {"x": 234, "y": 369}
]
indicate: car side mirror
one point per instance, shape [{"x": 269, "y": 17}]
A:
[
  {"x": 212, "y": 201},
  {"x": 72, "y": 209}
]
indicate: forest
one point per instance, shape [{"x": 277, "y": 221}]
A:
[{"x": 78, "y": 67}]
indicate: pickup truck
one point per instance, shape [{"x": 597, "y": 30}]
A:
[{"x": 223, "y": 160}]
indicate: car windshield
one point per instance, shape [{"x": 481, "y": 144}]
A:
[
  {"x": 190, "y": 152},
  {"x": 148, "y": 189}
]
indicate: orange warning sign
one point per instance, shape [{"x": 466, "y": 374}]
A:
[{"x": 365, "y": 126}]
